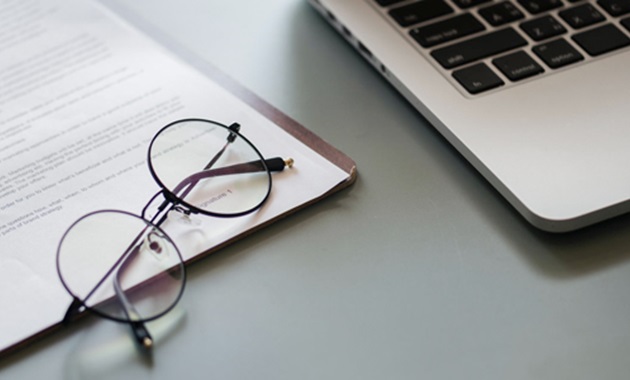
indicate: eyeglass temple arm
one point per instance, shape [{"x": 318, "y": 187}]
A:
[
  {"x": 276, "y": 164},
  {"x": 140, "y": 332}
]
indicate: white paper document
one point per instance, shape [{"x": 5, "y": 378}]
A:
[{"x": 81, "y": 95}]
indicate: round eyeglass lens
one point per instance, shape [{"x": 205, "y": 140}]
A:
[
  {"x": 210, "y": 167},
  {"x": 120, "y": 266}
]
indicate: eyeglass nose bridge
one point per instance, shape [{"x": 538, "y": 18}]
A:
[{"x": 152, "y": 212}]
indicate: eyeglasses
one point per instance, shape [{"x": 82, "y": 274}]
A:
[{"x": 123, "y": 266}]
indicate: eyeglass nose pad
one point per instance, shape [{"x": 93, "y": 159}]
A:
[
  {"x": 183, "y": 217},
  {"x": 153, "y": 244}
]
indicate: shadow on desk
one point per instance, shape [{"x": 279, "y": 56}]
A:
[{"x": 581, "y": 252}]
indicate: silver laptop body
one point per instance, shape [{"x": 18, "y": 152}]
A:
[{"x": 552, "y": 135}]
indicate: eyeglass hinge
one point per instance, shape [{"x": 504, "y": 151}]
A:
[{"x": 234, "y": 127}]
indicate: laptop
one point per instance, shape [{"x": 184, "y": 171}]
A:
[{"x": 534, "y": 93}]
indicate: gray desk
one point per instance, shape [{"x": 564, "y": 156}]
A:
[{"x": 419, "y": 271}]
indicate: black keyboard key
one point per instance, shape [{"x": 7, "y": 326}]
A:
[
  {"x": 517, "y": 66},
  {"x": 538, "y": 6},
  {"x": 626, "y": 23},
  {"x": 501, "y": 13},
  {"x": 615, "y": 7},
  {"x": 447, "y": 30},
  {"x": 581, "y": 16},
  {"x": 420, "y": 11},
  {"x": 557, "y": 53},
  {"x": 477, "y": 78},
  {"x": 601, "y": 40},
  {"x": 469, "y": 3},
  {"x": 384, "y": 3},
  {"x": 543, "y": 28},
  {"x": 477, "y": 48}
]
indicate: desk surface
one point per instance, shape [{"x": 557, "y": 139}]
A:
[{"x": 420, "y": 270}]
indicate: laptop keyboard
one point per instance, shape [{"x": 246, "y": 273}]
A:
[{"x": 486, "y": 45}]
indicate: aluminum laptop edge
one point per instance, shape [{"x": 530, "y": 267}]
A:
[{"x": 556, "y": 147}]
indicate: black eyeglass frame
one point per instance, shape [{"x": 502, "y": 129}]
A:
[
  {"x": 175, "y": 202},
  {"x": 268, "y": 165}
]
